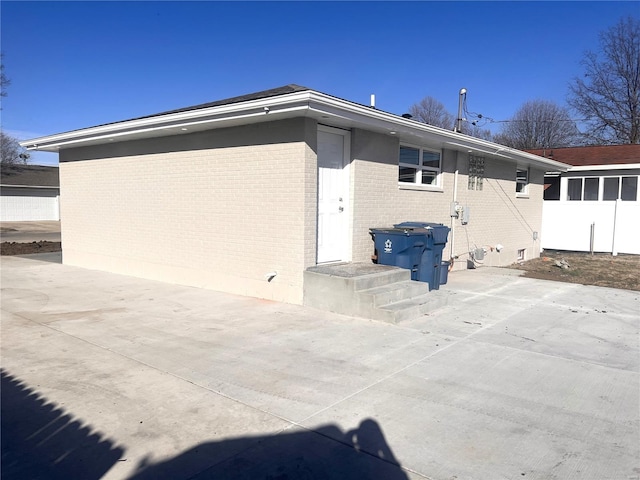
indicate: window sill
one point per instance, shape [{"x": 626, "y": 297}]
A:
[
  {"x": 522, "y": 195},
  {"x": 424, "y": 188}
]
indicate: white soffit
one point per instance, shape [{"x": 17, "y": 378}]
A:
[{"x": 325, "y": 108}]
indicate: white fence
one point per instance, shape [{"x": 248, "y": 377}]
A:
[{"x": 567, "y": 226}]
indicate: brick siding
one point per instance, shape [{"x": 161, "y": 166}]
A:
[
  {"x": 497, "y": 215},
  {"x": 221, "y": 218}
]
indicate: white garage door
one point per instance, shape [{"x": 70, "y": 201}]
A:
[{"x": 29, "y": 204}]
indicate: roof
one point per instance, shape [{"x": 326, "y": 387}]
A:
[
  {"x": 280, "y": 103},
  {"x": 593, "y": 155},
  {"x": 29, "y": 176},
  {"x": 273, "y": 92}
]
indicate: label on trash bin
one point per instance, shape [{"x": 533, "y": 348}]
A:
[{"x": 387, "y": 246}]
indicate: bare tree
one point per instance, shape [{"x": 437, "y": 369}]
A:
[
  {"x": 473, "y": 130},
  {"x": 11, "y": 151},
  {"x": 539, "y": 124},
  {"x": 431, "y": 111},
  {"x": 609, "y": 96},
  {"x": 4, "y": 81}
]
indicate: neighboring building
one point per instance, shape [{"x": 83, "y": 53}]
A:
[
  {"x": 596, "y": 202},
  {"x": 29, "y": 193},
  {"x": 243, "y": 195}
]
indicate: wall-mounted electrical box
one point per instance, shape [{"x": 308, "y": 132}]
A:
[
  {"x": 465, "y": 215},
  {"x": 455, "y": 209}
]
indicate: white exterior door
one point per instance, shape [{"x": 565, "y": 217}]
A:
[{"x": 333, "y": 150}]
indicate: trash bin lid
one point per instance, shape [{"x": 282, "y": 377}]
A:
[
  {"x": 397, "y": 231},
  {"x": 438, "y": 231},
  {"x": 427, "y": 225}
]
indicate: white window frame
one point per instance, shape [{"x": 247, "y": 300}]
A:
[
  {"x": 601, "y": 181},
  {"x": 417, "y": 184},
  {"x": 581, "y": 179},
  {"x": 524, "y": 192},
  {"x": 584, "y": 189}
]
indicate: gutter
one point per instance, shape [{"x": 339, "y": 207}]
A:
[
  {"x": 9, "y": 185},
  {"x": 617, "y": 166},
  {"x": 305, "y": 102}
]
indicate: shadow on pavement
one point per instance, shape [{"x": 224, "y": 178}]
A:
[
  {"x": 40, "y": 440},
  {"x": 326, "y": 453}
]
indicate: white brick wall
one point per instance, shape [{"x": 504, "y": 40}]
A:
[
  {"x": 215, "y": 217},
  {"x": 221, "y": 209},
  {"x": 497, "y": 215}
]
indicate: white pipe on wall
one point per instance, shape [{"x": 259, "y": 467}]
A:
[{"x": 453, "y": 219}]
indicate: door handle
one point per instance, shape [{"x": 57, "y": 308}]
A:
[{"x": 341, "y": 209}]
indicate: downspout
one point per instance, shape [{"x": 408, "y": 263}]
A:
[
  {"x": 453, "y": 219},
  {"x": 614, "y": 247}
]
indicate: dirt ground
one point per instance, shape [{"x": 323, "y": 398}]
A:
[
  {"x": 601, "y": 269},
  {"x": 16, "y": 248}
]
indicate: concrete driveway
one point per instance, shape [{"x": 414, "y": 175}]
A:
[{"x": 107, "y": 376}]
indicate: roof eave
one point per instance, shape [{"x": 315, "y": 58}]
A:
[
  {"x": 20, "y": 185},
  {"x": 612, "y": 166},
  {"x": 165, "y": 123},
  {"x": 448, "y": 138},
  {"x": 302, "y": 103}
]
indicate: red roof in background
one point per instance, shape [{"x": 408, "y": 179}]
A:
[{"x": 595, "y": 155}]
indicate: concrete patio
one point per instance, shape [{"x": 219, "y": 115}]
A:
[{"x": 107, "y": 376}]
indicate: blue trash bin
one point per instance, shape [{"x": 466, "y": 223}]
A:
[
  {"x": 400, "y": 247},
  {"x": 431, "y": 265},
  {"x": 444, "y": 272}
]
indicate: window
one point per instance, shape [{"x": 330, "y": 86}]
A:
[
  {"x": 623, "y": 188},
  {"x": 552, "y": 187},
  {"x": 522, "y": 181},
  {"x": 629, "y": 189},
  {"x": 591, "y": 188},
  {"x": 611, "y": 187},
  {"x": 476, "y": 172},
  {"x": 419, "y": 166},
  {"x": 574, "y": 189},
  {"x": 521, "y": 254}
]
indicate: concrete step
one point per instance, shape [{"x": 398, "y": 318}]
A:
[
  {"x": 365, "y": 282},
  {"x": 413, "y": 307},
  {"x": 394, "y": 292},
  {"x": 366, "y": 290}
]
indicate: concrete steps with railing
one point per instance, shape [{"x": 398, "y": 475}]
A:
[{"x": 378, "y": 292}]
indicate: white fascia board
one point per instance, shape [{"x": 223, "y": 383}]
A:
[
  {"x": 457, "y": 140},
  {"x": 305, "y": 102},
  {"x": 212, "y": 115},
  {"x": 618, "y": 166}
]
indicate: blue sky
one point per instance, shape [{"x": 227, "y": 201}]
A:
[{"x": 79, "y": 64}]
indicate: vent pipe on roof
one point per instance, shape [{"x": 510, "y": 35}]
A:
[
  {"x": 373, "y": 100},
  {"x": 458, "y": 125}
]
